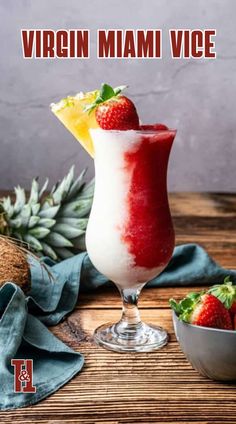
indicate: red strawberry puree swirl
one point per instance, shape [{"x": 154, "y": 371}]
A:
[{"x": 148, "y": 232}]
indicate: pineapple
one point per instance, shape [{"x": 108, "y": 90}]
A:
[
  {"x": 71, "y": 111},
  {"x": 51, "y": 224},
  {"x": 77, "y": 113}
]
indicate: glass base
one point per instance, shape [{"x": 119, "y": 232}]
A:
[{"x": 142, "y": 338}]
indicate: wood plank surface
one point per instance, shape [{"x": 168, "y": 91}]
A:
[{"x": 157, "y": 387}]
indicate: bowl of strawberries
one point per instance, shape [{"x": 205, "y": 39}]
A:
[{"x": 205, "y": 327}]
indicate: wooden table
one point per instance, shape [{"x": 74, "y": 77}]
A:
[{"x": 158, "y": 387}]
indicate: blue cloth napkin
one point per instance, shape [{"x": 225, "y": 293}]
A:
[{"x": 54, "y": 293}]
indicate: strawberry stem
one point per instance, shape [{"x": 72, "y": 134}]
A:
[
  {"x": 185, "y": 307},
  {"x": 105, "y": 93},
  {"x": 225, "y": 292}
]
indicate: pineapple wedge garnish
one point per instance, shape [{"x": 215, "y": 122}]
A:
[{"x": 71, "y": 112}]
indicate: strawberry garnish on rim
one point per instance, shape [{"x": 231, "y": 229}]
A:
[
  {"x": 203, "y": 309},
  {"x": 114, "y": 111}
]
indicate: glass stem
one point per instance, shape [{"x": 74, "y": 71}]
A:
[{"x": 130, "y": 321}]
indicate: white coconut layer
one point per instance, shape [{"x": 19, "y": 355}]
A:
[{"x": 109, "y": 214}]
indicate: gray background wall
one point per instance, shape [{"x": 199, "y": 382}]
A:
[{"x": 197, "y": 97}]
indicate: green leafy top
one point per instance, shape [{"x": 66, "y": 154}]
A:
[
  {"x": 225, "y": 292},
  {"x": 105, "y": 93},
  {"x": 186, "y": 306}
]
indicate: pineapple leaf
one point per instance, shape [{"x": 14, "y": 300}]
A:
[
  {"x": 15, "y": 223},
  {"x": 77, "y": 209},
  {"x": 49, "y": 251},
  {"x": 35, "y": 208},
  {"x": 33, "y": 221},
  {"x": 25, "y": 215},
  {"x": 9, "y": 209},
  {"x": 50, "y": 212},
  {"x": 44, "y": 188},
  {"x": 68, "y": 231},
  {"x": 17, "y": 235},
  {"x": 20, "y": 199},
  {"x": 6, "y": 202},
  {"x": 34, "y": 193},
  {"x": 54, "y": 187},
  {"x": 80, "y": 223},
  {"x": 33, "y": 242},
  {"x": 57, "y": 240},
  {"x": 88, "y": 190},
  {"x": 63, "y": 253},
  {"x": 69, "y": 178},
  {"x": 76, "y": 186},
  {"x": 39, "y": 232},
  {"x": 57, "y": 195},
  {"x": 47, "y": 222},
  {"x": 62, "y": 189}
]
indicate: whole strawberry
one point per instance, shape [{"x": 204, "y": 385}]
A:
[
  {"x": 117, "y": 114},
  {"x": 114, "y": 111},
  {"x": 203, "y": 309},
  {"x": 210, "y": 312}
]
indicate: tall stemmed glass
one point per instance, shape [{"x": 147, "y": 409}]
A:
[{"x": 130, "y": 236}]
